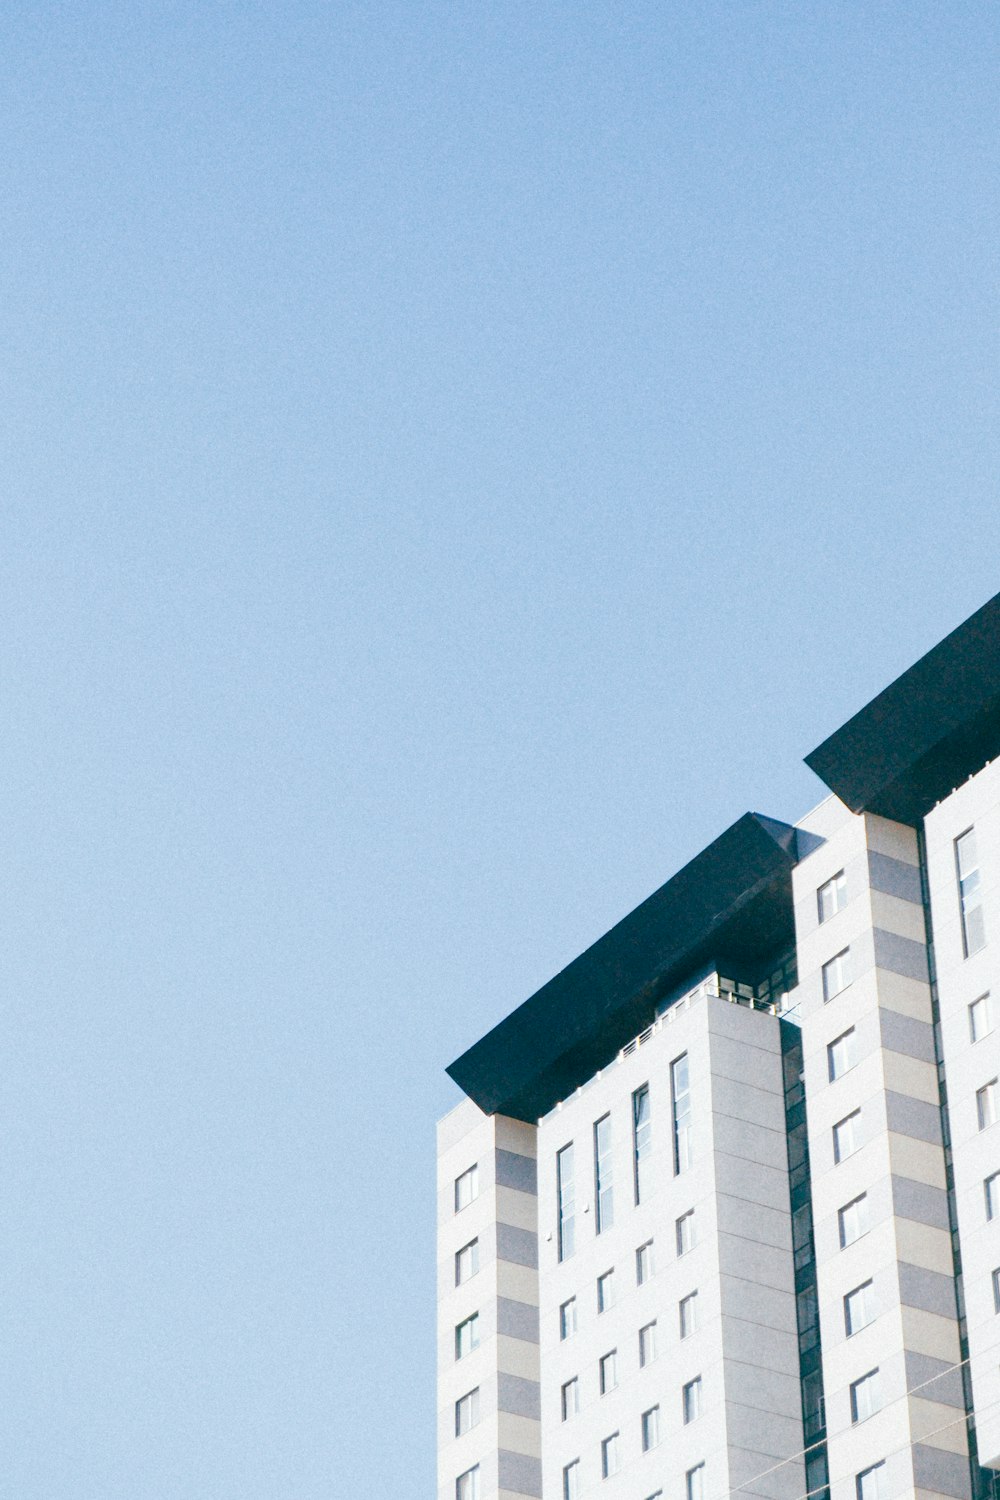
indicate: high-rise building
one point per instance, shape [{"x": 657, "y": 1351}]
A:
[{"x": 720, "y": 1214}]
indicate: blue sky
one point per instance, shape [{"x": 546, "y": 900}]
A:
[{"x": 456, "y": 458}]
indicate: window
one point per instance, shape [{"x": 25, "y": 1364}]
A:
[
  {"x": 970, "y": 893},
  {"x": 853, "y": 1220},
  {"x": 691, "y": 1400},
  {"x": 467, "y": 1485},
  {"x": 650, "y": 1428},
  {"x": 807, "y": 1315},
  {"x": 688, "y": 1314},
  {"x": 680, "y": 1094},
  {"x": 566, "y": 1201},
  {"x": 832, "y": 896},
  {"x": 644, "y": 1263},
  {"x": 868, "y": 1484},
  {"x": 605, "y": 1291},
  {"x": 570, "y": 1398},
  {"x": 466, "y": 1412},
  {"x": 647, "y": 1344},
  {"x": 996, "y": 1290},
  {"x": 466, "y": 1262},
  {"x": 685, "y": 1232},
  {"x": 466, "y": 1188},
  {"x": 813, "y": 1406},
  {"x": 642, "y": 1141},
  {"x": 467, "y": 1336},
  {"x": 991, "y": 1187},
  {"x": 837, "y": 974},
  {"x": 980, "y": 1021},
  {"x": 859, "y": 1308},
  {"x": 842, "y": 1054},
  {"x": 604, "y": 1193},
  {"x": 567, "y": 1319},
  {"x": 986, "y": 1104},
  {"x": 694, "y": 1483},
  {"x": 866, "y": 1396},
  {"x": 611, "y": 1460},
  {"x": 607, "y": 1371},
  {"x": 847, "y": 1136},
  {"x": 571, "y": 1480}
]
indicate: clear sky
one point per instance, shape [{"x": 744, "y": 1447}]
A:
[{"x": 456, "y": 457}]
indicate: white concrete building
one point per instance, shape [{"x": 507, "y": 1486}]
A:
[{"x": 720, "y": 1214}]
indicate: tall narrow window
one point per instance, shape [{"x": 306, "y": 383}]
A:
[
  {"x": 466, "y": 1188},
  {"x": 644, "y": 1263},
  {"x": 466, "y": 1262},
  {"x": 642, "y": 1142},
  {"x": 571, "y": 1481},
  {"x": 837, "y": 974},
  {"x": 606, "y": 1291},
  {"x": 567, "y": 1319},
  {"x": 694, "y": 1483},
  {"x": 467, "y": 1485},
  {"x": 607, "y": 1371},
  {"x": 467, "y": 1412},
  {"x": 996, "y": 1290},
  {"x": 991, "y": 1187},
  {"x": 570, "y": 1399},
  {"x": 681, "y": 1095},
  {"x": 980, "y": 1023},
  {"x": 467, "y": 1336},
  {"x": 650, "y": 1428},
  {"x": 685, "y": 1232},
  {"x": 842, "y": 1054},
  {"x": 869, "y": 1483},
  {"x": 970, "y": 893},
  {"x": 604, "y": 1193},
  {"x": 565, "y": 1193},
  {"x": 647, "y": 1345},
  {"x": 986, "y": 1104},
  {"x": 688, "y": 1314},
  {"x": 832, "y": 897},
  {"x": 853, "y": 1220},
  {"x": 691, "y": 1400},
  {"x": 866, "y": 1396},
  {"x": 859, "y": 1308},
  {"x": 847, "y": 1136},
  {"x": 611, "y": 1459}
]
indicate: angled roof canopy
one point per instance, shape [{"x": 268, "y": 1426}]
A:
[
  {"x": 927, "y": 732},
  {"x": 732, "y": 902}
]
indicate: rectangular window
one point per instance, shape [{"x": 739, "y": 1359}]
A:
[
  {"x": 466, "y": 1188},
  {"x": 466, "y": 1412},
  {"x": 853, "y": 1220},
  {"x": 647, "y": 1345},
  {"x": 832, "y": 897},
  {"x": 694, "y": 1483},
  {"x": 644, "y": 1263},
  {"x": 567, "y": 1319},
  {"x": 466, "y": 1262},
  {"x": 650, "y": 1428},
  {"x": 691, "y": 1400},
  {"x": 859, "y": 1308},
  {"x": 685, "y": 1232},
  {"x": 605, "y": 1291},
  {"x": 642, "y": 1142},
  {"x": 866, "y": 1396},
  {"x": 986, "y": 1104},
  {"x": 565, "y": 1197},
  {"x": 996, "y": 1290},
  {"x": 842, "y": 1054},
  {"x": 813, "y": 1414},
  {"x": 868, "y": 1484},
  {"x": 680, "y": 1094},
  {"x": 847, "y": 1136},
  {"x": 604, "y": 1193},
  {"x": 611, "y": 1460},
  {"x": 980, "y": 1021},
  {"x": 570, "y": 1399},
  {"x": 837, "y": 974},
  {"x": 467, "y": 1336},
  {"x": 688, "y": 1314},
  {"x": 991, "y": 1187},
  {"x": 467, "y": 1485},
  {"x": 970, "y": 893},
  {"x": 607, "y": 1371},
  {"x": 571, "y": 1481}
]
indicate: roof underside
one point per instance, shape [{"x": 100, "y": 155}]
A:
[
  {"x": 926, "y": 733},
  {"x": 732, "y": 903}
]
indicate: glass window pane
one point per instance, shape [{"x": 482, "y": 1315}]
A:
[
  {"x": 604, "y": 1193},
  {"x": 566, "y": 1200},
  {"x": 689, "y": 1314},
  {"x": 466, "y": 1188}
]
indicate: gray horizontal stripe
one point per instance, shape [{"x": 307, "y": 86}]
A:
[
  {"x": 518, "y": 1320},
  {"x": 904, "y": 1034},
  {"x": 913, "y": 1117},
  {"x": 520, "y": 1397},
  {"x": 945, "y": 1473},
  {"x": 929, "y": 1290},
  {"x": 517, "y": 1245},
  {"x": 945, "y": 1382},
  {"x": 516, "y": 1171},
  {"x": 519, "y": 1473},
  {"x": 893, "y": 877},
  {"x": 916, "y": 1201},
  {"x": 900, "y": 955}
]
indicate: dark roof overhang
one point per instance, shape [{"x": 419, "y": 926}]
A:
[
  {"x": 927, "y": 732},
  {"x": 732, "y": 903}
]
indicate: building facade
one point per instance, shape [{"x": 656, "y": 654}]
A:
[{"x": 720, "y": 1213}]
